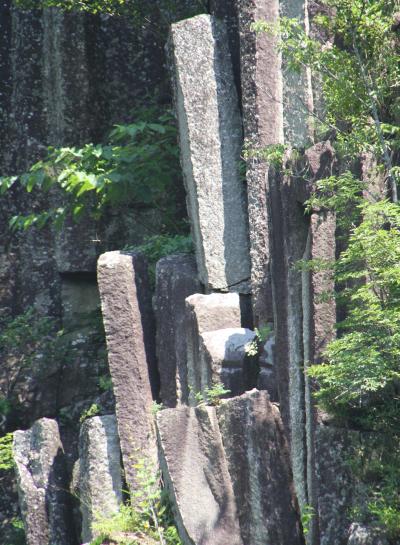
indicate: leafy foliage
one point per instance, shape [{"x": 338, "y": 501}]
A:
[
  {"x": 6, "y": 455},
  {"x": 137, "y": 167},
  {"x": 147, "y": 514}
]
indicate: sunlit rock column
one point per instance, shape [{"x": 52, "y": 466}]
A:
[
  {"x": 261, "y": 80},
  {"x": 42, "y": 484},
  {"x": 128, "y": 323},
  {"x": 210, "y": 134},
  {"x": 100, "y": 476}
]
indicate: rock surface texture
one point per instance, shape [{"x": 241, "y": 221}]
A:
[
  {"x": 261, "y": 80},
  {"x": 129, "y": 327},
  {"x": 224, "y": 359},
  {"x": 42, "y": 484},
  {"x": 176, "y": 279},
  {"x": 195, "y": 469},
  {"x": 210, "y": 151},
  {"x": 259, "y": 464},
  {"x": 206, "y": 313},
  {"x": 100, "y": 473}
]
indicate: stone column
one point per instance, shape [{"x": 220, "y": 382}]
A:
[
  {"x": 100, "y": 473},
  {"x": 176, "y": 279},
  {"x": 210, "y": 134},
  {"x": 128, "y": 323},
  {"x": 42, "y": 484},
  {"x": 261, "y": 80}
]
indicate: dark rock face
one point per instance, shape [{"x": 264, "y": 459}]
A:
[
  {"x": 196, "y": 473},
  {"x": 259, "y": 465},
  {"x": 42, "y": 484},
  {"x": 304, "y": 324},
  {"x": 176, "y": 279},
  {"x": 130, "y": 334},
  {"x": 210, "y": 151}
]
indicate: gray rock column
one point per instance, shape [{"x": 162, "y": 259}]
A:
[
  {"x": 224, "y": 359},
  {"x": 261, "y": 79},
  {"x": 207, "y": 313},
  {"x": 42, "y": 484},
  {"x": 176, "y": 279},
  {"x": 259, "y": 466},
  {"x": 127, "y": 316},
  {"x": 196, "y": 474},
  {"x": 100, "y": 473},
  {"x": 211, "y": 140}
]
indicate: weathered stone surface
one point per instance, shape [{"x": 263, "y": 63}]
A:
[
  {"x": 261, "y": 80},
  {"x": 207, "y": 313},
  {"x": 196, "y": 473},
  {"x": 304, "y": 321},
  {"x": 176, "y": 279},
  {"x": 364, "y": 535},
  {"x": 224, "y": 359},
  {"x": 100, "y": 473},
  {"x": 128, "y": 323},
  {"x": 210, "y": 151},
  {"x": 259, "y": 465},
  {"x": 42, "y": 484}
]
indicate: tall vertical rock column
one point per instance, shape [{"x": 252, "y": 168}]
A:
[
  {"x": 176, "y": 279},
  {"x": 130, "y": 335},
  {"x": 261, "y": 80},
  {"x": 211, "y": 140}
]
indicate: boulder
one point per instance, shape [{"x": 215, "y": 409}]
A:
[
  {"x": 259, "y": 464},
  {"x": 100, "y": 473},
  {"x": 206, "y": 313},
  {"x": 196, "y": 474},
  {"x": 365, "y": 535},
  {"x": 225, "y": 357},
  {"x": 130, "y": 335},
  {"x": 210, "y": 151},
  {"x": 176, "y": 279},
  {"x": 42, "y": 484}
]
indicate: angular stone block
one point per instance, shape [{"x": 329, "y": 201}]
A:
[
  {"x": 259, "y": 465},
  {"x": 100, "y": 473},
  {"x": 196, "y": 474},
  {"x": 176, "y": 279},
  {"x": 207, "y": 313},
  {"x": 127, "y": 315},
  {"x": 224, "y": 359},
  {"x": 42, "y": 484},
  {"x": 365, "y": 535},
  {"x": 211, "y": 141}
]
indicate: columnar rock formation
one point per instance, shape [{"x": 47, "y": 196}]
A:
[
  {"x": 42, "y": 484},
  {"x": 210, "y": 151},
  {"x": 99, "y": 480},
  {"x": 129, "y": 327},
  {"x": 176, "y": 279}
]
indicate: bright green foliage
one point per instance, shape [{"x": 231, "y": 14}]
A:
[
  {"x": 93, "y": 410},
  {"x": 362, "y": 370},
  {"x": 138, "y": 167},
  {"x": 6, "y": 455},
  {"x": 358, "y": 73},
  {"x": 147, "y": 514},
  {"x": 212, "y": 395}
]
